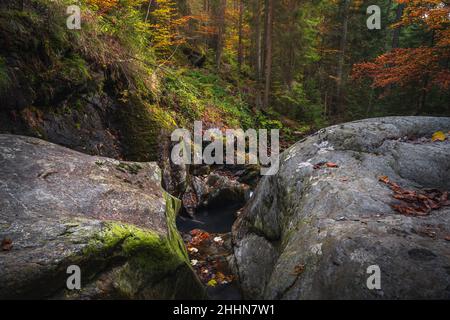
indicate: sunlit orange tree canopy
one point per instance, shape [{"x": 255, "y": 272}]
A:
[{"x": 422, "y": 67}]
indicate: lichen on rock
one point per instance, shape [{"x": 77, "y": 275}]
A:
[
  {"x": 63, "y": 208},
  {"x": 312, "y": 231}
]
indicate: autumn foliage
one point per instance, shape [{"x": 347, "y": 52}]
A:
[
  {"x": 411, "y": 66},
  {"x": 164, "y": 24},
  {"x": 422, "y": 67},
  {"x": 103, "y": 5}
]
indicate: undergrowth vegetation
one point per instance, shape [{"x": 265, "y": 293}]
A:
[{"x": 119, "y": 52}]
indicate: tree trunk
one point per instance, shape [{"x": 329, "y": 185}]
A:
[
  {"x": 257, "y": 50},
  {"x": 258, "y": 42},
  {"x": 220, "y": 32},
  {"x": 240, "y": 45},
  {"x": 150, "y": 5},
  {"x": 396, "y": 33},
  {"x": 341, "y": 60},
  {"x": 268, "y": 52}
]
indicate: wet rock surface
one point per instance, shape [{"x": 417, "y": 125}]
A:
[
  {"x": 59, "y": 208},
  {"x": 217, "y": 189},
  {"x": 312, "y": 231}
]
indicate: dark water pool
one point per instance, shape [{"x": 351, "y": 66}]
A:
[
  {"x": 225, "y": 292},
  {"x": 218, "y": 220}
]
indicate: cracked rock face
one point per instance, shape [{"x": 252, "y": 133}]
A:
[
  {"x": 59, "y": 208},
  {"x": 312, "y": 233}
]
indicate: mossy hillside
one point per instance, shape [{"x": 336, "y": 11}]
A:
[
  {"x": 200, "y": 94},
  {"x": 62, "y": 68},
  {"x": 110, "y": 56},
  {"x": 47, "y": 67}
]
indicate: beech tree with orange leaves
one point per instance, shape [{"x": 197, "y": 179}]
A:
[{"x": 423, "y": 67}]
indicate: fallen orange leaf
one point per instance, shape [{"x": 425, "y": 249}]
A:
[
  {"x": 332, "y": 165},
  {"x": 384, "y": 179}
]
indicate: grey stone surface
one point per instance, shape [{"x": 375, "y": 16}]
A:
[
  {"x": 312, "y": 233},
  {"x": 87, "y": 125},
  {"x": 60, "y": 207},
  {"x": 213, "y": 191}
]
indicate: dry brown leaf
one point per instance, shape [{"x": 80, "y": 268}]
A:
[
  {"x": 7, "y": 244},
  {"x": 299, "y": 269}
]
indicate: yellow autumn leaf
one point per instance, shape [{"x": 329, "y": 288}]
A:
[
  {"x": 439, "y": 136},
  {"x": 212, "y": 283}
]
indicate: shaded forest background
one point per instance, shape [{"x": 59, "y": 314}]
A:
[
  {"x": 288, "y": 64},
  {"x": 317, "y": 62}
]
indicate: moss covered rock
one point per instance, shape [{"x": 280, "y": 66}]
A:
[
  {"x": 60, "y": 208},
  {"x": 312, "y": 232}
]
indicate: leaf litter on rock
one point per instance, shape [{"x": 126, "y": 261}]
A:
[
  {"x": 438, "y": 136},
  {"x": 416, "y": 203}
]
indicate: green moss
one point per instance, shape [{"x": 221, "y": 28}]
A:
[
  {"x": 150, "y": 256},
  {"x": 148, "y": 249},
  {"x": 200, "y": 94},
  {"x": 173, "y": 206},
  {"x": 75, "y": 70},
  {"x": 142, "y": 126},
  {"x": 299, "y": 225}
]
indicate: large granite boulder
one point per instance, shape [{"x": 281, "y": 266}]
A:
[
  {"x": 314, "y": 230},
  {"x": 60, "y": 208}
]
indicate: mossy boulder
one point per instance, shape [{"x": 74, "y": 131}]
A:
[
  {"x": 313, "y": 232},
  {"x": 60, "y": 207}
]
